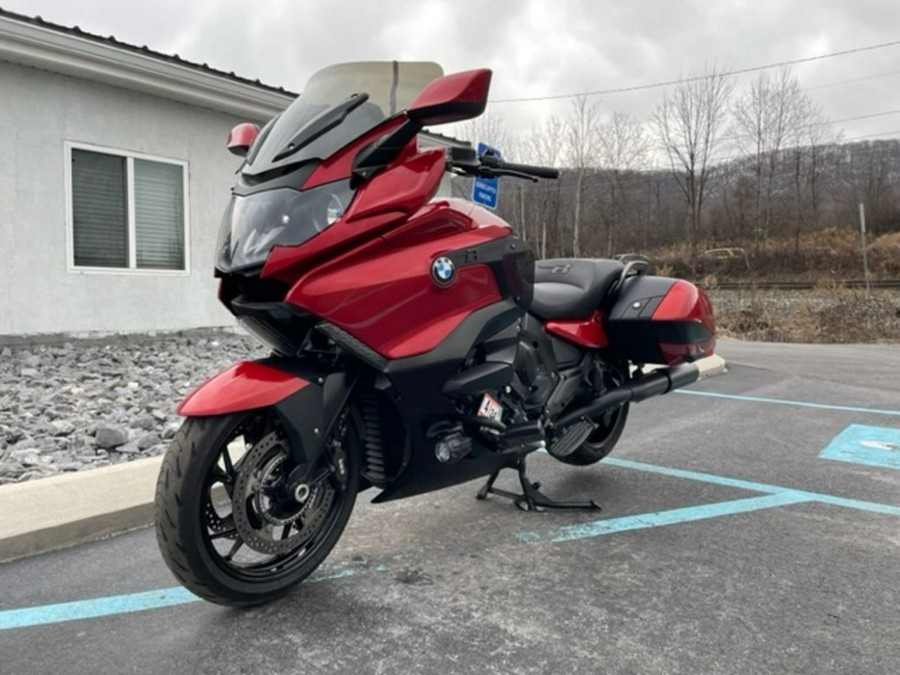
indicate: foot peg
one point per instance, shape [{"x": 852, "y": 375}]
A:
[{"x": 531, "y": 499}]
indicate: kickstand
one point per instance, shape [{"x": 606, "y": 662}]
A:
[{"x": 531, "y": 499}]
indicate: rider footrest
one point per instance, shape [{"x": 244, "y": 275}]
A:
[
  {"x": 573, "y": 437},
  {"x": 531, "y": 499}
]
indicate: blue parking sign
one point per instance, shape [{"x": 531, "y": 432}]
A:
[{"x": 485, "y": 191}]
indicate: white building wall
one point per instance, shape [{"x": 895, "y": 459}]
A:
[{"x": 39, "y": 112}]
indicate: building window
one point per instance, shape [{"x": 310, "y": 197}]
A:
[{"x": 128, "y": 212}]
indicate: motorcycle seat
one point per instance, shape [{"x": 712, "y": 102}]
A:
[{"x": 572, "y": 288}]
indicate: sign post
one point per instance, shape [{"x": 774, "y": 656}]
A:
[
  {"x": 862, "y": 231},
  {"x": 485, "y": 191}
]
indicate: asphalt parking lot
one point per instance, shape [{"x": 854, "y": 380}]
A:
[{"x": 749, "y": 525}]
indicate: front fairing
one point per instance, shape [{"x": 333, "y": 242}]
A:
[{"x": 338, "y": 105}]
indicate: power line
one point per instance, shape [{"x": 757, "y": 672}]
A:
[
  {"x": 881, "y": 133},
  {"x": 860, "y": 117},
  {"x": 823, "y": 123},
  {"x": 855, "y": 79},
  {"x": 697, "y": 78}
]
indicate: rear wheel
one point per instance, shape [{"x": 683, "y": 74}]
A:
[{"x": 229, "y": 525}]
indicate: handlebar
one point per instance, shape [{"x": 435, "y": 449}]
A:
[
  {"x": 464, "y": 160},
  {"x": 494, "y": 162},
  {"x": 532, "y": 170}
]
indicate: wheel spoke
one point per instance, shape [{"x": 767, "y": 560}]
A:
[
  {"x": 233, "y": 550},
  {"x": 224, "y": 533},
  {"x": 226, "y": 460},
  {"x": 286, "y": 531},
  {"x": 221, "y": 476}
]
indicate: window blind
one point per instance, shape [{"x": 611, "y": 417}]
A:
[
  {"x": 99, "y": 210},
  {"x": 159, "y": 215}
]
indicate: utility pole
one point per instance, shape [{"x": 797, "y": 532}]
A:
[{"x": 862, "y": 231}]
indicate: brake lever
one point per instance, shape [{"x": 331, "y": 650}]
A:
[{"x": 464, "y": 168}]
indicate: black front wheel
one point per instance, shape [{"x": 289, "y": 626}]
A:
[{"x": 231, "y": 525}]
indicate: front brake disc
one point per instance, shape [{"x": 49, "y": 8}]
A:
[{"x": 267, "y": 521}]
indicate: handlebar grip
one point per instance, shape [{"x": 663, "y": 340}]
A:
[{"x": 539, "y": 171}]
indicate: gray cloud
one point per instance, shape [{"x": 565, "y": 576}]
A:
[{"x": 536, "y": 47}]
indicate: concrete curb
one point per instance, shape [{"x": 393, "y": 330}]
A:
[
  {"x": 69, "y": 509},
  {"x": 61, "y": 511}
]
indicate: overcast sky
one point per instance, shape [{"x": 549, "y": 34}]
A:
[{"x": 535, "y": 47}]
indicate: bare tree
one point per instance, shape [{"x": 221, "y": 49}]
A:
[
  {"x": 545, "y": 145},
  {"x": 688, "y": 123},
  {"x": 868, "y": 178},
  {"x": 581, "y": 149},
  {"x": 489, "y": 127},
  {"x": 621, "y": 152},
  {"x": 769, "y": 115},
  {"x": 809, "y": 169}
]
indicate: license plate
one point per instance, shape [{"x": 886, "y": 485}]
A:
[{"x": 490, "y": 408}]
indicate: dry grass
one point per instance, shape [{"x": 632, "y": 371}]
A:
[
  {"x": 829, "y": 314},
  {"x": 888, "y": 242},
  {"x": 834, "y": 252}
]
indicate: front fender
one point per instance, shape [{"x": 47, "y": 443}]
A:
[
  {"x": 307, "y": 398},
  {"x": 243, "y": 386}
]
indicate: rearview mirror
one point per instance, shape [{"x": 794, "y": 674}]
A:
[
  {"x": 460, "y": 96},
  {"x": 241, "y": 137}
]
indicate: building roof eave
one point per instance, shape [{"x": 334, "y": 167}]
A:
[{"x": 28, "y": 43}]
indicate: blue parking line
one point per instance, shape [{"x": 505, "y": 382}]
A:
[
  {"x": 834, "y": 500},
  {"x": 96, "y": 607},
  {"x": 644, "y": 521},
  {"x": 130, "y": 602},
  {"x": 781, "y": 401},
  {"x": 777, "y": 495}
]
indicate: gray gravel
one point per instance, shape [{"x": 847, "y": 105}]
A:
[
  {"x": 786, "y": 301},
  {"x": 89, "y": 403}
]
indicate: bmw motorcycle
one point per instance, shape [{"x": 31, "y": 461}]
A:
[{"x": 415, "y": 342}]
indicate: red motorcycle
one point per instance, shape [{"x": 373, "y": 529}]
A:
[{"x": 415, "y": 343}]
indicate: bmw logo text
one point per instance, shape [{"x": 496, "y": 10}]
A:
[{"x": 443, "y": 270}]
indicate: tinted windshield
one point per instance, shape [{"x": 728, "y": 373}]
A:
[{"x": 331, "y": 112}]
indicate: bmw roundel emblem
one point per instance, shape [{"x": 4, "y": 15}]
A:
[{"x": 443, "y": 270}]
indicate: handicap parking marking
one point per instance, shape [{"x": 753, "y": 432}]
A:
[
  {"x": 834, "y": 500},
  {"x": 861, "y": 444},
  {"x": 790, "y": 402},
  {"x": 686, "y": 514},
  {"x": 776, "y": 495}
]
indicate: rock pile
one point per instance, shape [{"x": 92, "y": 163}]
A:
[{"x": 90, "y": 403}]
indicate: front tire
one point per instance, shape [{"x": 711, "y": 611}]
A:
[{"x": 225, "y": 524}]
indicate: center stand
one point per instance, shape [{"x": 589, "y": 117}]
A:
[{"x": 531, "y": 499}]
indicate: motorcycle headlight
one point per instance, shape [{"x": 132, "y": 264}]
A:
[{"x": 254, "y": 223}]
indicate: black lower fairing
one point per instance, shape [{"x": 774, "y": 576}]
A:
[{"x": 409, "y": 384}]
